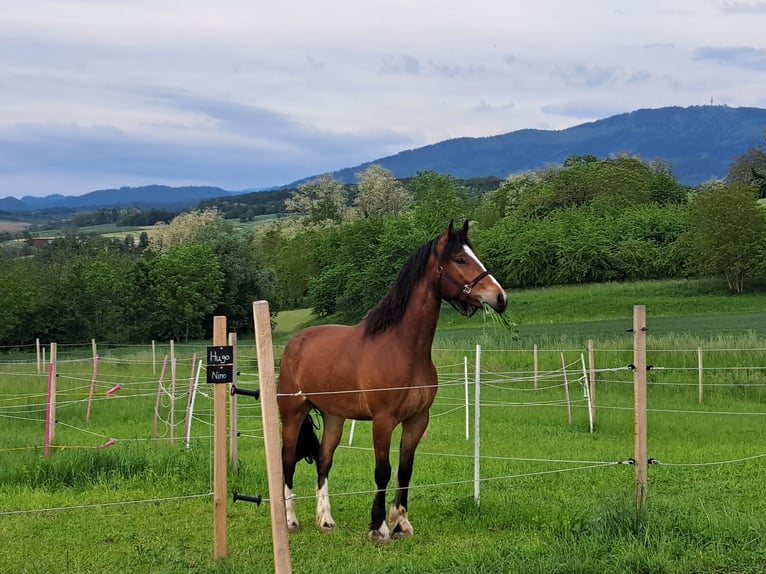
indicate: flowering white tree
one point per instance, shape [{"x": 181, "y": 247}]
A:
[
  {"x": 321, "y": 199},
  {"x": 188, "y": 227},
  {"x": 379, "y": 193}
]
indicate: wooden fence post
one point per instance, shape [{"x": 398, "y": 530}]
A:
[
  {"x": 586, "y": 388},
  {"x": 50, "y": 412},
  {"x": 271, "y": 438},
  {"x": 536, "y": 363},
  {"x": 92, "y": 385},
  {"x": 566, "y": 390},
  {"x": 219, "y": 449},
  {"x": 157, "y": 400},
  {"x": 639, "y": 393}
]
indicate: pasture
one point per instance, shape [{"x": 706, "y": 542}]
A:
[
  {"x": 553, "y": 496},
  {"x": 12, "y": 226}
]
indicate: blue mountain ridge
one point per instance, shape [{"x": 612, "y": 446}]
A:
[{"x": 699, "y": 142}]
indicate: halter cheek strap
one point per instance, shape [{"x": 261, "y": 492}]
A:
[
  {"x": 468, "y": 286},
  {"x": 465, "y": 290}
]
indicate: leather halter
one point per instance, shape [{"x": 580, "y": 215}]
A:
[{"x": 461, "y": 305}]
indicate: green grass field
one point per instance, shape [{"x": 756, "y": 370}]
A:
[{"x": 553, "y": 498}]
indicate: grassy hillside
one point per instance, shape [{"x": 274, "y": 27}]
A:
[
  {"x": 700, "y": 308},
  {"x": 553, "y": 496}
]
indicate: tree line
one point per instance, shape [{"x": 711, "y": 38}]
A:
[{"x": 587, "y": 220}]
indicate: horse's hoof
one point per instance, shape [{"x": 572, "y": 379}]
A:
[
  {"x": 400, "y": 525},
  {"x": 380, "y": 534},
  {"x": 327, "y": 526},
  {"x": 381, "y": 537},
  {"x": 402, "y": 530}
]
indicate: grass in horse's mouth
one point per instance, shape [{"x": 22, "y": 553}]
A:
[{"x": 501, "y": 320}]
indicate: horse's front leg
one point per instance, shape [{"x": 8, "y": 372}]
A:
[
  {"x": 381, "y": 436},
  {"x": 412, "y": 432}
]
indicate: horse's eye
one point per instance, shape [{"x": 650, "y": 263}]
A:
[{"x": 460, "y": 261}]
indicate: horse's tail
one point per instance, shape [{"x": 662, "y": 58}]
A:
[{"x": 308, "y": 443}]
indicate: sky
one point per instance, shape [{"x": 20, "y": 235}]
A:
[{"x": 247, "y": 94}]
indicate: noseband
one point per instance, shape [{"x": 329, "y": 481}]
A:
[{"x": 461, "y": 305}]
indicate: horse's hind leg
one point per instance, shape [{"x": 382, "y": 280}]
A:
[
  {"x": 412, "y": 432},
  {"x": 333, "y": 431},
  {"x": 292, "y": 419}
]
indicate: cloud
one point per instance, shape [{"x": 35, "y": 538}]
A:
[
  {"x": 230, "y": 116},
  {"x": 744, "y": 8},
  {"x": 252, "y": 94},
  {"x": 400, "y": 64},
  {"x": 581, "y": 75},
  {"x": 739, "y": 56},
  {"x": 488, "y": 107},
  {"x": 230, "y": 144},
  {"x": 586, "y": 109}
]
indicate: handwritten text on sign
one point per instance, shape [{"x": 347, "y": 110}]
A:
[{"x": 220, "y": 364}]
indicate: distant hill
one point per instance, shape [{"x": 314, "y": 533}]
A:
[
  {"x": 12, "y": 205},
  {"x": 150, "y": 196},
  {"x": 700, "y": 142}
]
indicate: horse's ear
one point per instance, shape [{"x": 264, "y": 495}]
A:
[
  {"x": 465, "y": 227},
  {"x": 451, "y": 228}
]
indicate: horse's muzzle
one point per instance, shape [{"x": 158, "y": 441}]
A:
[{"x": 502, "y": 302}]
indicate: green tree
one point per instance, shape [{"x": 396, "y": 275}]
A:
[
  {"x": 726, "y": 236},
  {"x": 24, "y": 298},
  {"x": 245, "y": 278},
  {"x": 438, "y": 199},
  {"x": 750, "y": 167},
  {"x": 292, "y": 259},
  {"x": 95, "y": 292},
  {"x": 185, "y": 286},
  {"x": 357, "y": 262}
]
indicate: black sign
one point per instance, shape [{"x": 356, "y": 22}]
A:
[{"x": 220, "y": 364}]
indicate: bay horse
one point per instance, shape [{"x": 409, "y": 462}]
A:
[{"x": 379, "y": 370}]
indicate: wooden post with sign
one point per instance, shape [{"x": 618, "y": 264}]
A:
[{"x": 220, "y": 370}]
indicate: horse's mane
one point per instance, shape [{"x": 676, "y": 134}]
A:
[{"x": 390, "y": 310}]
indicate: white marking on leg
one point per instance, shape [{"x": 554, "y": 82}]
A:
[
  {"x": 382, "y": 534},
  {"x": 324, "y": 518},
  {"x": 400, "y": 524},
  {"x": 292, "y": 519}
]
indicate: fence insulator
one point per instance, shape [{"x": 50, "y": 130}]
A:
[
  {"x": 256, "y": 499},
  {"x": 256, "y": 394}
]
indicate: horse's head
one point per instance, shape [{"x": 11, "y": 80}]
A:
[{"x": 463, "y": 279}]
